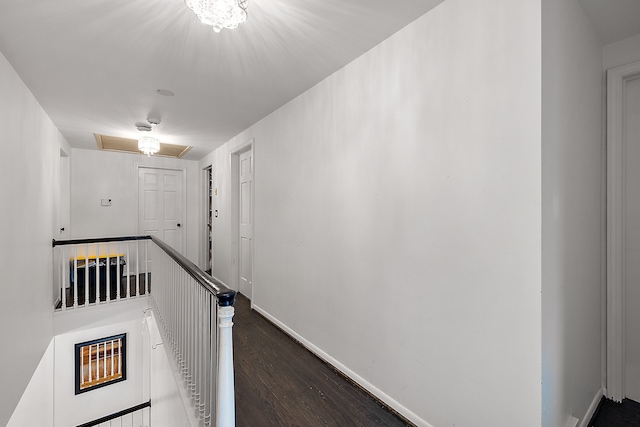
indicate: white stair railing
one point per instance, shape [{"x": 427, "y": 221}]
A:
[
  {"x": 100, "y": 271},
  {"x": 194, "y": 311},
  {"x": 136, "y": 416}
]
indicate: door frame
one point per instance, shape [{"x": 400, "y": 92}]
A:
[
  {"x": 205, "y": 245},
  {"x": 235, "y": 214},
  {"x": 615, "y": 344},
  {"x": 183, "y": 171}
]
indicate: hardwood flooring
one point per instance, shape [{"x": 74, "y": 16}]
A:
[
  {"x": 280, "y": 383},
  {"x": 612, "y": 414}
]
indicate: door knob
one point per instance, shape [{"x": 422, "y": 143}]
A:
[{"x": 179, "y": 225}]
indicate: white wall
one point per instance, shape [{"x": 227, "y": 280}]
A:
[
  {"x": 36, "y": 405},
  {"x": 29, "y": 165},
  {"x": 150, "y": 373},
  {"x": 621, "y": 53},
  {"x": 397, "y": 216},
  {"x": 71, "y": 409},
  {"x": 168, "y": 397},
  {"x": 572, "y": 216},
  {"x": 99, "y": 175}
]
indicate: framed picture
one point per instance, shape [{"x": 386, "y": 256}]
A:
[{"x": 100, "y": 362}]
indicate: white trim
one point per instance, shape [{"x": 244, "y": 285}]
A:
[
  {"x": 234, "y": 157},
  {"x": 592, "y": 409},
  {"x": 616, "y": 80},
  {"x": 203, "y": 220},
  {"x": 396, "y": 406}
]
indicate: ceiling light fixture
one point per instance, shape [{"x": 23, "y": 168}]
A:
[
  {"x": 148, "y": 145},
  {"x": 219, "y": 13}
]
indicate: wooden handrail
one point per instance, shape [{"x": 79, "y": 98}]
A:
[
  {"x": 97, "y": 240},
  {"x": 226, "y": 296}
]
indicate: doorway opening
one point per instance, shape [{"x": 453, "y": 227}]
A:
[{"x": 207, "y": 262}]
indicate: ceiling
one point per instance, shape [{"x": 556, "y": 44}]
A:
[
  {"x": 614, "y": 20},
  {"x": 95, "y": 66}
]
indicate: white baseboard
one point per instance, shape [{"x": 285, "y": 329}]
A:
[
  {"x": 592, "y": 408},
  {"x": 386, "y": 399}
]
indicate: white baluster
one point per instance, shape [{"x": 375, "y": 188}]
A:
[
  {"x": 146, "y": 265},
  {"x": 98, "y": 275},
  {"x": 90, "y": 367},
  {"x": 82, "y": 366},
  {"x": 107, "y": 291},
  {"x": 128, "y": 260},
  {"x": 137, "y": 260},
  {"x": 75, "y": 276},
  {"x": 117, "y": 293},
  {"x": 211, "y": 357},
  {"x": 119, "y": 355},
  {"x": 63, "y": 282},
  {"x": 86, "y": 275},
  {"x": 225, "y": 414},
  {"x": 103, "y": 365}
]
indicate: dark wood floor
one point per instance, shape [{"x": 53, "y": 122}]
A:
[
  {"x": 279, "y": 383},
  {"x": 611, "y": 414}
]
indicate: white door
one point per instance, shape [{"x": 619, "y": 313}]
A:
[
  {"x": 245, "y": 199},
  {"x": 631, "y": 215},
  {"x": 161, "y": 205}
]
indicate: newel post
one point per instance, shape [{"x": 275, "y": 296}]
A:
[{"x": 225, "y": 413}]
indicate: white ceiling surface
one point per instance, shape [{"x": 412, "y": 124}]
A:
[
  {"x": 614, "y": 20},
  {"x": 95, "y": 65}
]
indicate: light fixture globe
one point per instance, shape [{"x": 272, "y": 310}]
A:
[
  {"x": 148, "y": 145},
  {"x": 219, "y": 13}
]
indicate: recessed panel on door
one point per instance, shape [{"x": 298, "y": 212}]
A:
[
  {"x": 150, "y": 179},
  {"x": 171, "y": 205},
  {"x": 151, "y": 205}
]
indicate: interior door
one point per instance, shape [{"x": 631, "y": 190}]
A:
[
  {"x": 161, "y": 205},
  {"x": 245, "y": 199},
  {"x": 631, "y": 215}
]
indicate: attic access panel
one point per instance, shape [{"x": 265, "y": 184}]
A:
[{"x": 126, "y": 145}]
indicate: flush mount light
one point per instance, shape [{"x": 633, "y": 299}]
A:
[
  {"x": 219, "y": 13},
  {"x": 148, "y": 145}
]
